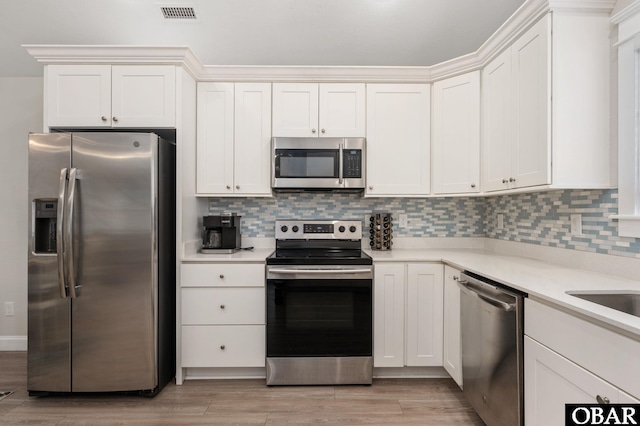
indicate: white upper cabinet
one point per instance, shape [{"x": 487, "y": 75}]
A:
[
  {"x": 530, "y": 60},
  {"x": 398, "y": 140},
  {"x": 318, "y": 110},
  {"x": 545, "y": 108},
  {"x": 104, "y": 96},
  {"x": 233, "y": 139},
  {"x": 456, "y": 134},
  {"x": 496, "y": 115},
  {"x": 516, "y": 143}
]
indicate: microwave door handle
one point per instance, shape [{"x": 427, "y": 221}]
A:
[
  {"x": 341, "y": 173},
  {"x": 60, "y": 254}
]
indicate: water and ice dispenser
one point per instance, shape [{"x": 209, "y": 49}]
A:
[{"x": 46, "y": 212}]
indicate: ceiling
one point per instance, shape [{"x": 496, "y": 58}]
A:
[{"x": 259, "y": 32}]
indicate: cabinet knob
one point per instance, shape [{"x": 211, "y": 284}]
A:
[
  {"x": 473, "y": 185},
  {"x": 505, "y": 181},
  {"x": 456, "y": 278},
  {"x": 313, "y": 130},
  {"x": 237, "y": 186},
  {"x": 221, "y": 276},
  {"x": 222, "y": 347},
  {"x": 512, "y": 179},
  {"x": 602, "y": 399},
  {"x": 323, "y": 131},
  {"x": 221, "y": 306},
  {"x": 103, "y": 118},
  {"x": 228, "y": 186},
  {"x": 115, "y": 119},
  {"x": 371, "y": 187}
]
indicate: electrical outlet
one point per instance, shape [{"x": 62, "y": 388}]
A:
[
  {"x": 500, "y": 221},
  {"x": 404, "y": 220},
  {"x": 576, "y": 224},
  {"x": 8, "y": 309}
]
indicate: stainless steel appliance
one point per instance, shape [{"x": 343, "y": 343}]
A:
[
  {"x": 221, "y": 233},
  {"x": 318, "y": 164},
  {"x": 319, "y": 305},
  {"x": 492, "y": 319},
  {"x": 101, "y": 271}
]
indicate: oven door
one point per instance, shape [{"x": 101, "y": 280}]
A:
[{"x": 319, "y": 311}]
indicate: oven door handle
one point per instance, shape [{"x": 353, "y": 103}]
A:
[{"x": 319, "y": 271}]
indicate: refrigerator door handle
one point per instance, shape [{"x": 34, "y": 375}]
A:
[
  {"x": 60, "y": 254},
  {"x": 68, "y": 234}
]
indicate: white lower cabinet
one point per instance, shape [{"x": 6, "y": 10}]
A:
[
  {"x": 223, "y": 346},
  {"x": 552, "y": 381},
  {"x": 571, "y": 360},
  {"x": 223, "y": 315},
  {"x": 408, "y": 314},
  {"x": 452, "y": 350}
]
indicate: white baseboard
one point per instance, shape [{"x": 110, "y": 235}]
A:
[{"x": 13, "y": 343}]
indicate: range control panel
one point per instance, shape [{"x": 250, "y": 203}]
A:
[{"x": 318, "y": 229}]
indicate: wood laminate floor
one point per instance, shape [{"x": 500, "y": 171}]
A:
[{"x": 241, "y": 402}]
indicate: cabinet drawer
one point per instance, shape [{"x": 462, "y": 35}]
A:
[
  {"x": 222, "y": 306},
  {"x": 603, "y": 352},
  {"x": 223, "y": 346},
  {"x": 222, "y": 274}
]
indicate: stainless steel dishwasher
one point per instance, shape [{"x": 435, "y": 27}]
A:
[{"x": 492, "y": 349}]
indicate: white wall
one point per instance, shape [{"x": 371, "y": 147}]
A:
[{"x": 20, "y": 112}]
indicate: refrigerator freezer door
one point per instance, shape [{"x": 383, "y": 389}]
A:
[
  {"x": 49, "y": 367},
  {"x": 115, "y": 311}
]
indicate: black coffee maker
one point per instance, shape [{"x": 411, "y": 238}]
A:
[{"x": 221, "y": 233}]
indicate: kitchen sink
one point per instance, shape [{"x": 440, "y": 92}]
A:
[{"x": 624, "y": 302}]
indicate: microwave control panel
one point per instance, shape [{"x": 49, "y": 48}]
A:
[{"x": 352, "y": 163}]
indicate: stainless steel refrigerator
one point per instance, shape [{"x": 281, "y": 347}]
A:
[{"x": 101, "y": 286}]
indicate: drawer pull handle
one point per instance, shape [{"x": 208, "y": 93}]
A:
[
  {"x": 222, "y": 347},
  {"x": 221, "y": 306},
  {"x": 221, "y": 276},
  {"x": 602, "y": 400}
]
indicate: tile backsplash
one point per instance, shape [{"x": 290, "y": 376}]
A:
[
  {"x": 544, "y": 218},
  {"x": 427, "y": 217},
  {"x": 541, "y": 218}
]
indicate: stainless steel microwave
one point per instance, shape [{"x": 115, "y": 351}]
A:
[{"x": 318, "y": 163}]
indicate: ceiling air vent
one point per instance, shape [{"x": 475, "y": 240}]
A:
[{"x": 178, "y": 12}]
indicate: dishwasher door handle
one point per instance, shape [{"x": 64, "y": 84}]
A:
[{"x": 508, "y": 307}]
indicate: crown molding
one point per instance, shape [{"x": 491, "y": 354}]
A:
[
  {"x": 519, "y": 21},
  {"x": 320, "y": 74},
  {"x": 116, "y": 55},
  {"x": 626, "y": 13},
  {"x": 583, "y": 6}
]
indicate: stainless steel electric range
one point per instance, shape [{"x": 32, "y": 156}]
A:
[{"x": 319, "y": 305}]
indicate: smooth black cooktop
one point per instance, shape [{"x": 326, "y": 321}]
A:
[{"x": 303, "y": 256}]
